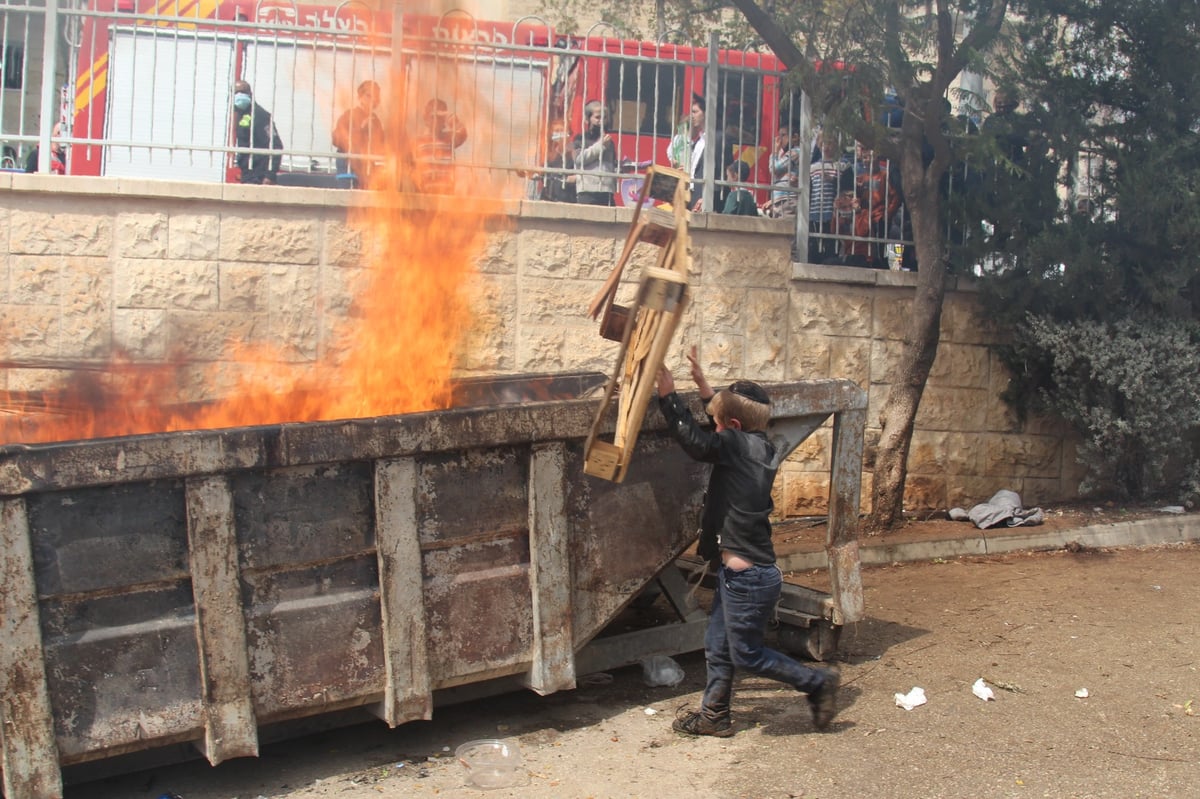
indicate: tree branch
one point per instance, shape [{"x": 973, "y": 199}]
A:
[{"x": 772, "y": 35}]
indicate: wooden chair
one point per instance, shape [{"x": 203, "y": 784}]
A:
[{"x": 646, "y": 328}]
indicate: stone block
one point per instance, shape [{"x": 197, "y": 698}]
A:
[
  {"x": 294, "y": 316},
  {"x": 962, "y": 409},
  {"x": 243, "y": 287},
  {"x": 490, "y": 345},
  {"x": 344, "y": 244},
  {"x": 544, "y": 253},
  {"x": 5, "y": 257},
  {"x": 191, "y": 285},
  {"x": 213, "y": 335},
  {"x": 885, "y": 360},
  {"x": 39, "y": 379},
  {"x": 721, "y": 311},
  {"x": 849, "y": 358},
  {"x": 277, "y": 239},
  {"x": 961, "y": 365},
  {"x": 764, "y": 319},
  {"x": 810, "y": 356},
  {"x": 924, "y": 493},
  {"x": 834, "y": 313},
  {"x": 499, "y": 256},
  {"x": 38, "y": 232},
  {"x": 870, "y": 442},
  {"x": 35, "y": 279},
  {"x": 141, "y": 333},
  {"x": 340, "y": 287},
  {"x": 87, "y": 327},
  {"x": 1044, "y": 493},
  {"x": 1001, "y": 417},
  {"x": 967, "y": 491},
  {"x": 814, "y": 452},
  {"x": 141, "y": 235},
  {"x": 963, "y": 321},
  {"x": 556, "y": 302},
  {"x": 31, "y": 331},
  {"x": 643, "y": 256},
  {"x": 722, "y": 356},
  {"x": 728, "y": 261},
  {"x": 193, "y": 237},
  {"x": 804, "y": 494},
  {"x": 84, "y": 275},
  {"x": 1024, "y": 456},
  {"x": 942, "y": 452},
  {"x": 892, "y": 312},
  {"x": 554, "y": 348}
]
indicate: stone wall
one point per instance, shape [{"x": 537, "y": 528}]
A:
[{"x": 151, "y": 267}]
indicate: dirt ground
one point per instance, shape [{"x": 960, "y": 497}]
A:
[{"x": 1039, "y": 628}]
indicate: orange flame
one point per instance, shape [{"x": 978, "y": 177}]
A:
[{"x": 395, "y": 354}]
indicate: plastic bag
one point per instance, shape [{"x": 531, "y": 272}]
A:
[{"x": 661, "y": 670}]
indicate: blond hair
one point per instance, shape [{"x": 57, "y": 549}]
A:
[{"x": 726, "y": 405}]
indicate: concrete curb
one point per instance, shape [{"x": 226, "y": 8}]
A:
[{"x": 1144, "y": 533}]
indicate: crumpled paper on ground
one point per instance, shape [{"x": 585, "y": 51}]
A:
[
  {"x": 982, "y": 690},
  {"x": 1003, "y": 508},
  {"x": 914, "y": 698}
]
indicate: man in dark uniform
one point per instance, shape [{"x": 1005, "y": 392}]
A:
[{"x": 255, "y": 130}]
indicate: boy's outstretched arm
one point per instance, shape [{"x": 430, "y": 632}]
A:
[{"x": 703, "y": 445}]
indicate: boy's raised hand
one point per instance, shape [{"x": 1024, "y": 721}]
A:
[
  {"x": 666, "y": 382},
  {"x": 701, "y": 382}
]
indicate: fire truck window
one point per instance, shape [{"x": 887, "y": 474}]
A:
[
  {"x": 14, "y": 66},
  {"x": 741, "y": 98},
  {"x": 643, "y": 96}
]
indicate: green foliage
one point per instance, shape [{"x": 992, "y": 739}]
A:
[
  {"x": 1130, "y": 387},
  {"x": 1104, "y": 299},
  {"x": 1114, "y": 84}
]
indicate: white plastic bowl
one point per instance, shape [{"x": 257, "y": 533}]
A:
[{"x": 491, "y": 763}]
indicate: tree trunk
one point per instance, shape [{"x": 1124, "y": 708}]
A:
[{"x": 899, "y": 413}]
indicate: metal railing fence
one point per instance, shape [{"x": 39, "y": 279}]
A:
[{"x": 146, "y": 88}]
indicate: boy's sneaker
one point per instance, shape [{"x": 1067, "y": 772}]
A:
[
  {"x": 690, "y": 722},
  {"x": 823, "y": 701}
]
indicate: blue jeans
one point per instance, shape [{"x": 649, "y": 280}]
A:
[{"x": 741, "y": 608}]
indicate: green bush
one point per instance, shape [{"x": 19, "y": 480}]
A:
[{"x": 1132, "y": 391}]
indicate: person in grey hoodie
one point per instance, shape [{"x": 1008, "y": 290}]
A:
[{"x": 596, "y": 159}]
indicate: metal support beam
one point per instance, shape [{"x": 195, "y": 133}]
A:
[
  {"x": 845, "y": 487},
  {"x": 550, "y": 571},
  {"x": 712, "y": 118},
  {"x": 49, "y": 100},
  {"x": 230, "y": 727},
  {"x": 409, "y": 691},
  {"x": 803, "y": 199},
  {"x": 28, "y": 751}
]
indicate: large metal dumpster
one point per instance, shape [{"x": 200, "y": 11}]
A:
[{"x": 196, "y": 586}]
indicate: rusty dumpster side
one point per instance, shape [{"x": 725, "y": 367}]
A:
[{"x": 193, "y": 587}]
